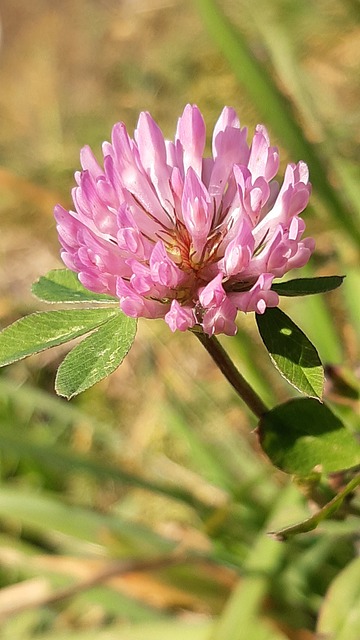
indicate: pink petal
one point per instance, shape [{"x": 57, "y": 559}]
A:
[
  {"x": 239, "y": 251},
  {"x": 263, "y": 160},
  {"x": 229, "y": 148},
  {"x": 213, "y": 294},
  {"x": 151, "y": 145},
  {"x": 221, "y": 319},
  {"x": 191, "y": 134},
  {"x": 181, "y": 318},
  {"x": 197, "y": 209},
  {"x": 259, "y": 297},
  {"x": 163, "y": 270},
  {"x": 89, "y": 162},
  {"x": 136, "y": 306}
]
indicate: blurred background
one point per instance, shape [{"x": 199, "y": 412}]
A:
[{"x": 161, "y": 458}]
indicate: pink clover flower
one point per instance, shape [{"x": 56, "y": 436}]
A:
[{"x": 180, "y": 236}]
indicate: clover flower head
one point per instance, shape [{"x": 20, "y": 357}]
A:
[{"x": 180, "y": 236}]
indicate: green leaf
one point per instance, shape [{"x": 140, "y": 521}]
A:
[
  {"x": 307, "y": 286},
  {"x": 62, "y": 285},
  {"x": 340, "y": 613},
  {"x": 40, "y": 331},
  {"x": 303, "y": 436},
  {"x": 291, "y": 352},
  {"x": 96, "y": 357},
  {"x": 309, "y": 524}
]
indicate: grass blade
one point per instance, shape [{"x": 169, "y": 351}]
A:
[{"x": 275, "y": 109}]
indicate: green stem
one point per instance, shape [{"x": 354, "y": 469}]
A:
[
  {"x": 232, "y": 374},
  {"x": 311, "y": 523}
]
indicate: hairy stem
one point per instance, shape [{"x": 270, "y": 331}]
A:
[{"x": 231, "y": 373}]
